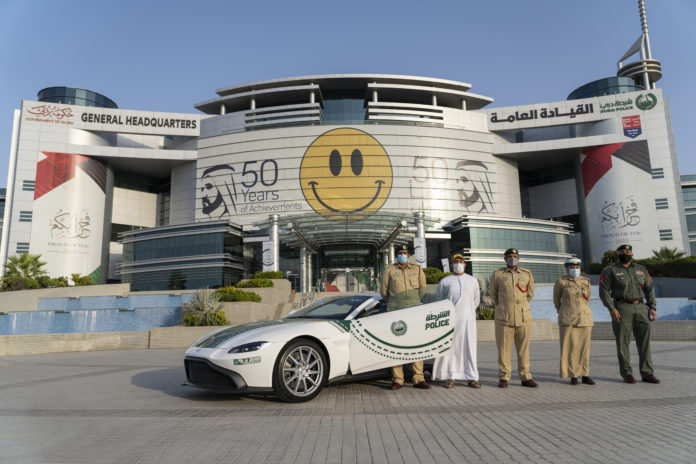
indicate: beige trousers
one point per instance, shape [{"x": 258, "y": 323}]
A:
[
  {"x": 575, "y": 350},
  {"x": 504, "y": 337},
  {"x": 416, "y": 367}
]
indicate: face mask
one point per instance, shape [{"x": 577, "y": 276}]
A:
[
  {"x": 512, "y": 261},
  {"x": 402, "y": 259},
  {"x": 458, "y": 268},
  {"x": 573, "y": 272},
  {"x": 625, "y": 258}
]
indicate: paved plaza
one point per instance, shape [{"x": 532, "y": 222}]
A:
[{"x": 130, "y": 407}]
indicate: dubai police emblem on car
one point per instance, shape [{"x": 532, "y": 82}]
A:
[{"x": 398, "y": 328}]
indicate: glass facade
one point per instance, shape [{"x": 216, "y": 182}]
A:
[
  {"x": 543, "y": 246},
  {"x": 607, "y": 86},
  {"x": 183, "y": 257},
  {"x": 73, "y": 96},
  {"x": 688, "y": 184}
]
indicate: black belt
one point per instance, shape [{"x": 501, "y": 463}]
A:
[{"x": 624, "y": 300}]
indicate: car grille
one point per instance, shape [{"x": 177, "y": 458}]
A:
[{"x": 200, "y": 373}]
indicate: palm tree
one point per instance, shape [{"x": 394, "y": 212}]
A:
[
  {"x": 25, "y": 265},
  {"x": 667, "y": 254}
]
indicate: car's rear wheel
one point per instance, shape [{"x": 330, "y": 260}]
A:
[{"x": 300, "y": 371}]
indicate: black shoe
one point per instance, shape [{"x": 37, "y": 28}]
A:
[
  {"x": 502, "y": 383},
  {"x": 574, "y": 380},
  {"x": 423, "y": 385},
  {"x": 651, "y": 379},
  {"x": 529, "y": 383},
  {"x": 629, "y": 379},
  {"x": 587, "y": 381}
]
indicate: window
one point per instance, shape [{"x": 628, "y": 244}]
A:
[
  {"x": 25, "y": 216},
  {"x": 661, "y": 203},
  {"x": 658, "y": 173},
  {"x": 665, "y": 234},
  {"x": 28, "y": 185},
  {"x": 22, "y": 247}
]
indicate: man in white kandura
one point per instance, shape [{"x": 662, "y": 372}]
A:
[{"x": 460, "y": 361}]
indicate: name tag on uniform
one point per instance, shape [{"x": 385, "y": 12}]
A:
[
  {"x": 619, "y": 273},
  {"x": 639, "y": 272}
]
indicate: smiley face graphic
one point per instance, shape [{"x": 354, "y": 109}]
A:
[{"x": 345, "y": 172}]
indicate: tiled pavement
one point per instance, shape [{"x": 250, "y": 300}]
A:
[{"x": 130, "y": 407}]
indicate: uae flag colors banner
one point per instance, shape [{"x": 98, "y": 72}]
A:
[
  {"x": 619, "y": 198},
  {"x": 68, "y": 214}
]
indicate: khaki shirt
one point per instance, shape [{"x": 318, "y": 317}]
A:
[
  {"x": 511, "y": 292},
  {"x": 403, "y": 288},
  {"x": 632, "y": 283},
  {"x": 571, "y": 297}
]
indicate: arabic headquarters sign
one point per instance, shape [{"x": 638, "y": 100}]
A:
[{"x": 68, "y": 213}]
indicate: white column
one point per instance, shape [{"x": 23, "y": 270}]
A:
[
  {"x": 222, "y": 109},
  {"x": 273, "y": 236},
  {"x": 434, "y": 100},
  {"x": 253, "y": 103},
  {"x": 463, "y": 104},
  {"x": 309, "y": 272},
  {"x": 303, "y": 269},
  {"x": 311, "y": 97},
  {"x": 374, "y": 96},
  {"x": 419, "y": 217}
]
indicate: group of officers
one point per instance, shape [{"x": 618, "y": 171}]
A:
[{"x": 625, "y": 288}]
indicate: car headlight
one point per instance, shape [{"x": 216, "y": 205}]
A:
[{"x": 247, "y": 347}]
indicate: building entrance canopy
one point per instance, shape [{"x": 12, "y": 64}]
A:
[{"x": 379, "y": 230}]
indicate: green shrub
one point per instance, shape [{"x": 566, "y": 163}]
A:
[
  {"x": 682, "y": 267},
  {"x": 232, "y": 294},
  {"x": 82, "y": 280},
  {"x": 191, "y": 320},
  {"x": 268, "y": 275},
  {"x": 434, "y": 275},
  {"x": 254, "y": 283},
  {"x": 594, "y": 268},
  {"x": 48, "y": 282},
  {"x": 16, "y": 282},
  {"x": 610, "y": 257},
  {"x": 203, "y": 309},
  {"x": 486, "y": 308}
]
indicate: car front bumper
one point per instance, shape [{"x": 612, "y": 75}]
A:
[{"x": 204, "y": 374}]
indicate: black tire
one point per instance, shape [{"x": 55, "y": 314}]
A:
[{"x": 300, "y": 371}]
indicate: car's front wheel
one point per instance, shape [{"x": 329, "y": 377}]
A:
[{"x": 300, "y": 371}]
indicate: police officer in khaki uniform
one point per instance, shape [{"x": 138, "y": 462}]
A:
[
  {"x": 512, "y": 288},
  {"x": 403, "y": 286},
  {"x": 571, "y": 297},
  {"x": 624, "y": 288}
]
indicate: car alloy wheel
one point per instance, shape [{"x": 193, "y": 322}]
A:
[{"x": 300, "y": 371}]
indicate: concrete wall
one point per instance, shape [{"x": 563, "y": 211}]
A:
[{"x": 28, "y": 300}]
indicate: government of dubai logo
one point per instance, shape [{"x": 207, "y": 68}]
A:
[
  {"x": 399, "y": 328},
  {"x": 344, "y": 173},
  {"x": 646, "y": 102}
]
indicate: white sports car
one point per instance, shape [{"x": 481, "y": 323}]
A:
[{"x": 329, "y": 340}]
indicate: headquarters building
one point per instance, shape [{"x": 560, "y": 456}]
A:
[{"x": 321, "y": 177}]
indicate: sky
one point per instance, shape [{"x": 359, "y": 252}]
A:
[{"x": 169, "y": 55}]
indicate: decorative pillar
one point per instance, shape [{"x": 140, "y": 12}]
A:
[
  {"x": 273, "y": 236},
  {"x": 420, "y": 250}
]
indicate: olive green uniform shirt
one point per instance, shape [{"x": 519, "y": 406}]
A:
[
  {"x": 571, "y": 297},
  {"x": 630, "y": 283},
  {"x": 403, "y": 288},
  {"x": 512, "y": 291}
]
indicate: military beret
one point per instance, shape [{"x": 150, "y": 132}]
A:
[
  {"x": 511, "y": 251},
  {"x": 572, "y": 262},
  {"x": 457, "y": 256},
  {"x": 625, "y": 247}
]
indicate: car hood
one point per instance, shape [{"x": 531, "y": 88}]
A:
[{"x": 271, "y": 331}]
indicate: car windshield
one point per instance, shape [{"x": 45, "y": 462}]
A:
[{"x": 334, "y": 308}]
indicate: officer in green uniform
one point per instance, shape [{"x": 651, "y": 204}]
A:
[
  {"x": 624, "y": 288},
  {"x": 403, "y": 286}
]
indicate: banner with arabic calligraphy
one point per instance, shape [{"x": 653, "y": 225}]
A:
[
  {"x": 68, "y": 214},
  {"x": 619, "y": 198}
]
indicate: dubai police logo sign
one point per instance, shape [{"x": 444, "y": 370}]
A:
[
  {"x": 345, "y": 172},
  {"x": 631, "y": 126},
  {"x": 646, "y": 102},
  {"x": 399, "y": 328}
]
